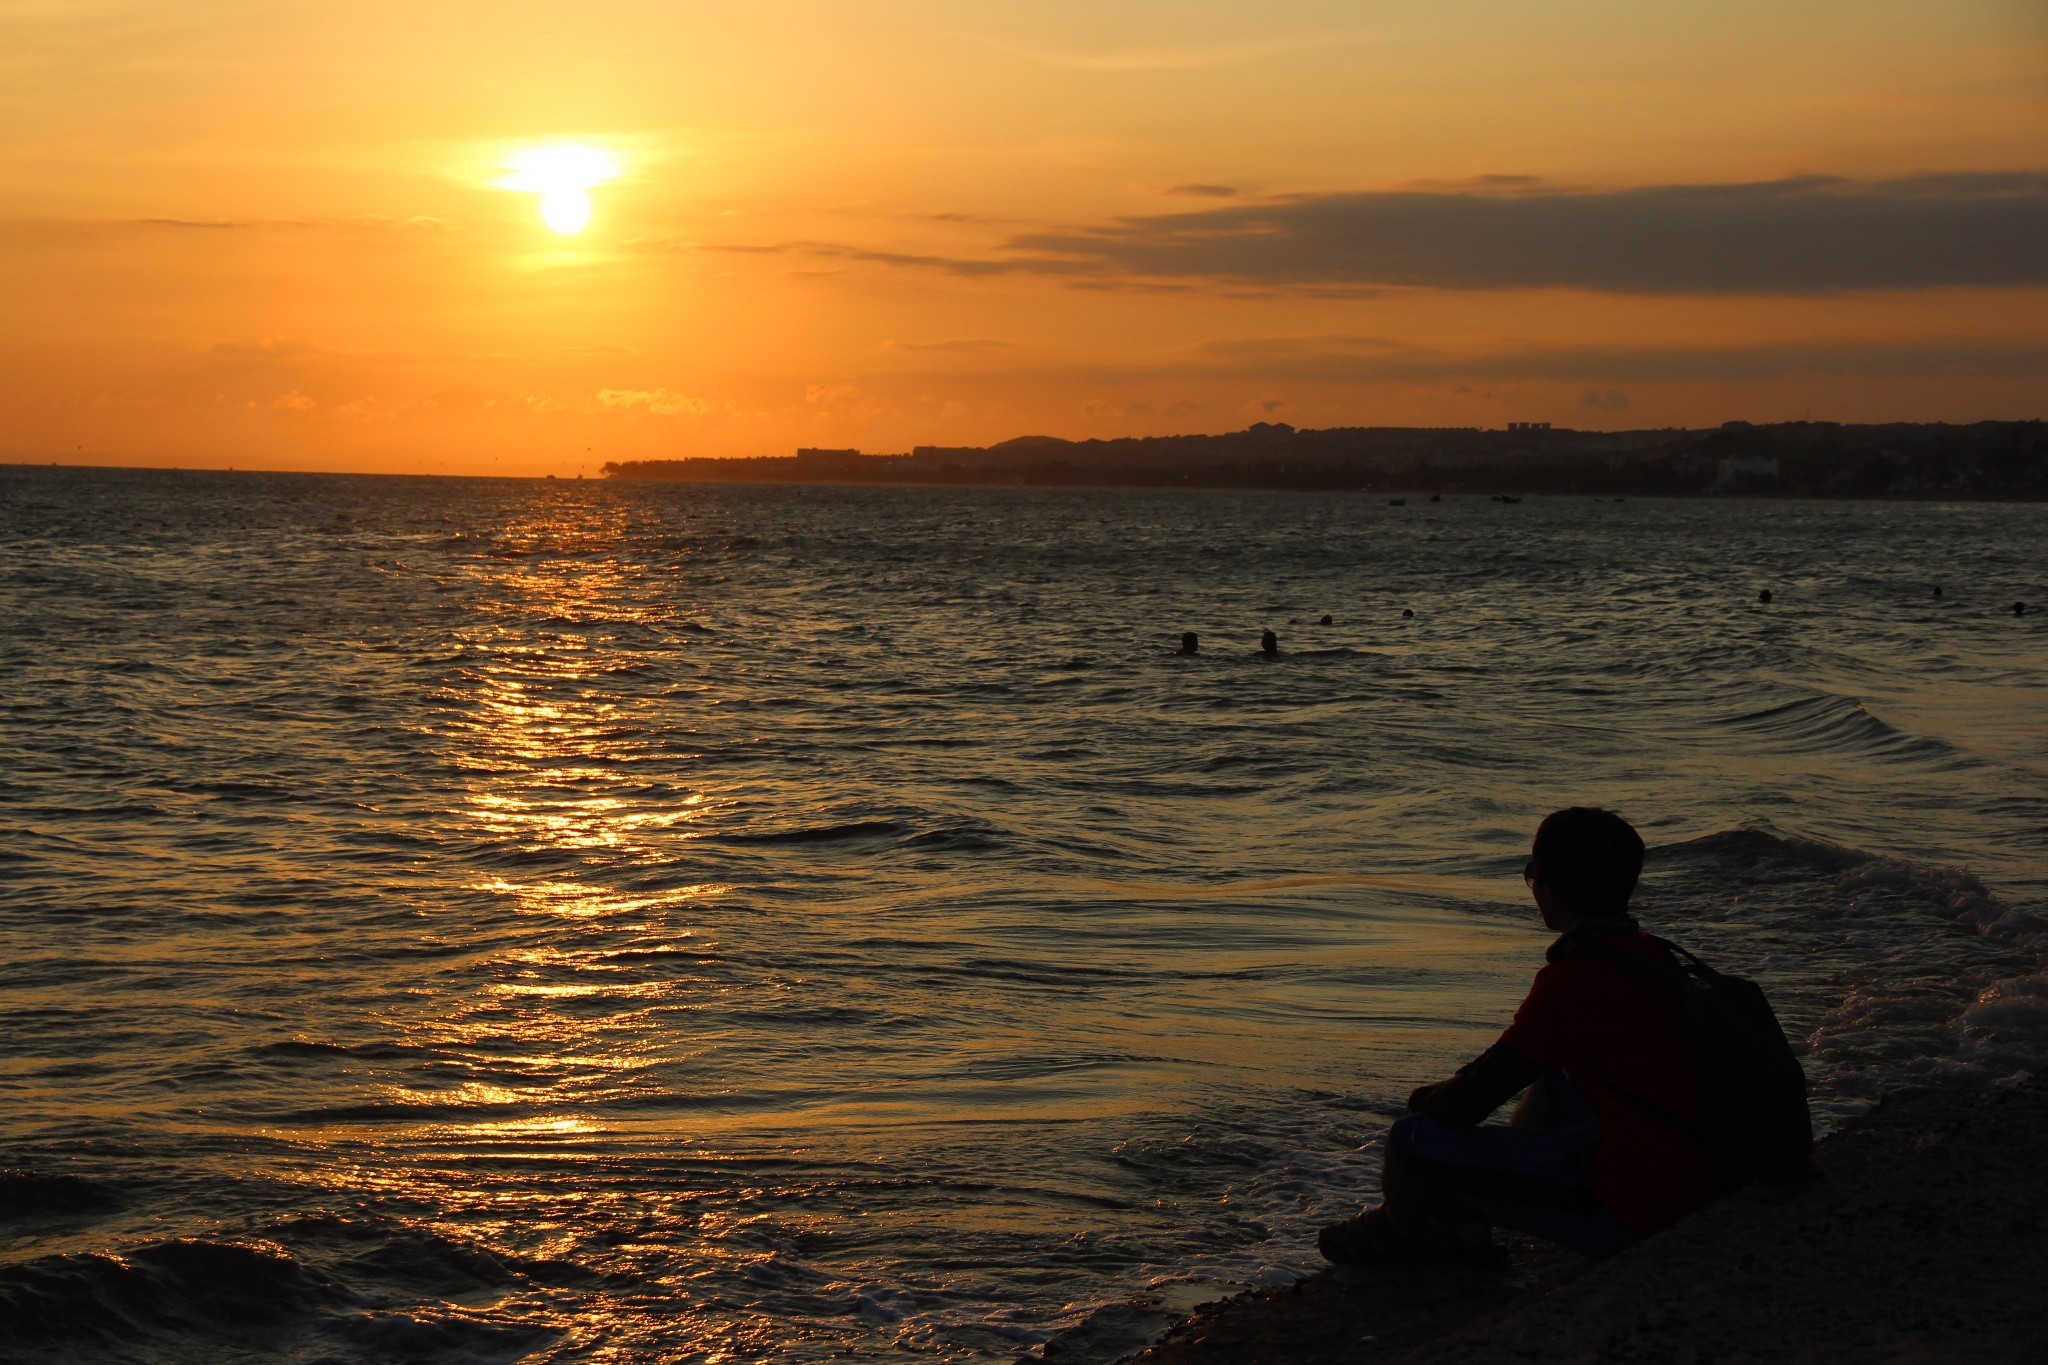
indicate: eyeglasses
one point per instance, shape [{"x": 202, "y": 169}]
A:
[{"x": 1531, "y": 872}]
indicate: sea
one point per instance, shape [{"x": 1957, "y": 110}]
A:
[{"x": 469, "y": 920}]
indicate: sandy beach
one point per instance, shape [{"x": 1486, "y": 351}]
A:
[{"x": 1919, "y": 1237}]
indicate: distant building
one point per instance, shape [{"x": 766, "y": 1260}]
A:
[
  {"x": 1742, "y": 470},
  {"x": 1528, "y": 426}
]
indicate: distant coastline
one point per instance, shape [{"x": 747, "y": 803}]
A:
[{"x": 1980, "y": 460}]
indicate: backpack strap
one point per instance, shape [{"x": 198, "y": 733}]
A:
[
  {"x": 1667, "y": 981},
  {"x": 1642, "y": 969},
  {"x": 1652, "y": 1108}
]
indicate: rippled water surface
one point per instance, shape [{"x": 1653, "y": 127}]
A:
[{"x": 476, "y": 920}]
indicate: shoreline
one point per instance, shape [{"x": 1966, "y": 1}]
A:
[{"x": 1921, "y": 1235}]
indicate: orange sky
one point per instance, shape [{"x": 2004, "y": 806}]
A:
[{"x": 277, "y": 236}]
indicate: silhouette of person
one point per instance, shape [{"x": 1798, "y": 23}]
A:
[
  {"x": 1407, "y": 612},
  {"x": 1269, "y": 643},
  {"x": 1764, "y": 596},
  {"x": 1583, "y": 1163},
  {"x": 2019, "y": 609},
  {"x": 1325, "y": 621},
  {"x": 1190, "y": 643},
  {"x": 1937, "y": 589}
]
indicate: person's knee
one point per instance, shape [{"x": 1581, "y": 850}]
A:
[{"x": 1547, "y": 1103}]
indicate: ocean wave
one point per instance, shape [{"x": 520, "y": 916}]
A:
[
  {"x": 812, "y": 834},
  {"x": 370, "y": 1290},
  {"x": 1841, "y": 725},
  {"x": 1863, "y": 954},
  {"x": 174, "y": 1290},
  {"x": 963, "y": 836},
  {"x": 38, "y": 1194}
]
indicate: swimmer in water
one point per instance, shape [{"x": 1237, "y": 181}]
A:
[
  {"x": 1190, "y": 643},
  {"x": 1269, "y": 643}
]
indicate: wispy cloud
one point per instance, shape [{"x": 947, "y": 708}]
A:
[
  {"x": 1173, "y": 58},
  {"x": 663, "y": 402},
  {"x": 1811, "y": 235},
  {"x": 1345, "y": 359},
  {"x": 1808, "y": 235},
  {"x": 964, "y": 346},
  {"x": 951, "y": 265},
  {"x": 366, "y": 222}
]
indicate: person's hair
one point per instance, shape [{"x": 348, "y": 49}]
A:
[{"x": 1591, "y": 858}]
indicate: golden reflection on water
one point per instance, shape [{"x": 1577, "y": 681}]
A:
[{"x": 548, "y": 748}]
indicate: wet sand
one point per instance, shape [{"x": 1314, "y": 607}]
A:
[{"x": 1921, "y": 1236}]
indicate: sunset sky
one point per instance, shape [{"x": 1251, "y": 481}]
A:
[{"x": 309, "y": 235}]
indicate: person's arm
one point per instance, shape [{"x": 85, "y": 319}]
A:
[{"x": 1480, "y": 1087}]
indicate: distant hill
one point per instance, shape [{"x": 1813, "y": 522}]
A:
[{"x": 1793, "y": 459}]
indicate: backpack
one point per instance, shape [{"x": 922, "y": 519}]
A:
[{"x": 1752, "y": 1090}]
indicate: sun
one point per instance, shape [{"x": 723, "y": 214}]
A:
[{"x": 563, "y": 176}]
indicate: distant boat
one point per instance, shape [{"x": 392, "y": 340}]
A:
[
  {"x": 1502, "y": 497},
  {"x": 1397, "y": 502},
  {"x": 1436, "y": 497}
]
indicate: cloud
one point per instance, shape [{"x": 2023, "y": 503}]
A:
[
  {"x": 1611, "y": 400},
  {"x": 366, "y": 222},
  {"x": 467, "y": 399},
  {"x": 266, "y": 349},
  {"x": 1159, "y": 58},
  {"x": 657, "y": 402},
  {"x": 1809, "y": 235},
  {"x": 952, "y": 265},
  {"x": 1196, "y": 190},
  {"x": 1814, "y": 235},
  {"x": 1341, "y": 359},
  {"x": 965, "y": 346},
  {"x": 418, "y": 222}
]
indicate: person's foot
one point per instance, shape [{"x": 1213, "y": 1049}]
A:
[
  {"x": 1372, "y": 1239},
  {"x": 1368, "y": 1239}
]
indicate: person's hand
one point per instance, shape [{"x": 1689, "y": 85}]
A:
[{"x": 1420, "y": 1097}]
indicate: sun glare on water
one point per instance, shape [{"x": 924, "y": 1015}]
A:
[{"x": 563, "y": 177}]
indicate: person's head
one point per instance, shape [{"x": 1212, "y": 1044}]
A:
[
  {"x": 1583, "y": 866},
  {"x": 1190, "y": 643}
]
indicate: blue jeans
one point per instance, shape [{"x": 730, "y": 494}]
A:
[{"x": 1532, "y": 1179}]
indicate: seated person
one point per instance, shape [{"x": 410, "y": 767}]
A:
[{"x": 1586, "y": 1162}]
